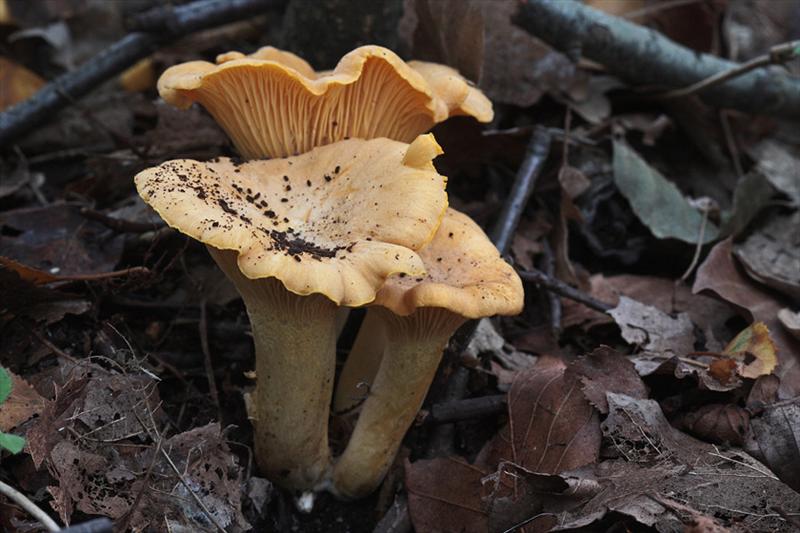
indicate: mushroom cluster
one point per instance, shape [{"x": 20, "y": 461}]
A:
[{"x": 350, "y": 212}]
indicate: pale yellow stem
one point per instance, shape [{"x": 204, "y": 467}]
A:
[
  {"x": 295, "y": 346},
  {"x": 362, "y": 363},
  {"x": 413, "y": 351}
]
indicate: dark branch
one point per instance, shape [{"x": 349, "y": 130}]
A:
[
  {"x": 535, "y": 155},
  {"x": 179, "y": 21},
  {"x": 643, "y": 56},
  {"x": 559, "y": 287},
  {"x": 458, "y": 410}
]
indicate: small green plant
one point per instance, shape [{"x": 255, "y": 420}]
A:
[{"x": 12, "y": 443}]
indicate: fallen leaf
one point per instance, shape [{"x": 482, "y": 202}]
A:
[
  {"x": 552, "y": 427},
  {"x": 771, "y": 255},
  {"x": 444, "y": 494},
  {"x": 752, "y": 194},
  {"x": 774, "y": 438},
  {"x": 652, "y": 329},
  {"x": 779, "y": 164},
  {"x": 718, "y": 274},
  {"x": 606, "y": 370},
  {"x": 21, "y": 405},
  {"x": 573, "y": 181},
  {"x": 56, "y": 240},
  {"x": 656, "y": 201},
  {"x": 714, "y": 422},
  {"x": 756, "y": 342}
]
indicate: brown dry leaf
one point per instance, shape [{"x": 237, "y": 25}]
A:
[
  {"x": 771, "y": 255},
  {"x": 552, "y": 426},
  {"x": 719, "y": 275},
  {"x": 58, "y": 241},
  {"x": 763, "y": 392},
  {"x": 652, "y": 329},
  {"x": 720, "y": 423},
  {"x": 723, "y": 370},
  {"x": 444, "y": 494},
  {"x": 606, "y": 370},
  {"x": 16, "y": 83},
  {"x": 774, "y": 438},
  {"x": 23, "y": 404},
  {"x": 21, "y": 298},
  {"x": 754, "y": 341}
]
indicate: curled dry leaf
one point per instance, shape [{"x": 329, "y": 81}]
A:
[
  {"x": 720, "y": 423},
  {"x": 774, "y": 438},
  {"x": 719, "y": 275},
  {"x": 753, "y": 341},
  {"x": 771, "y": 255}
]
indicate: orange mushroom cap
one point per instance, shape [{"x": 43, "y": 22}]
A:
[
  {"x": 273, "y": 104},
  {"x": 336, "y": 221},
  {"x": 465, "y": 275}
]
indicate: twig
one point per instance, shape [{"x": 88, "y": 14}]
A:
[
  {"x": 55, "y": 349},
  {"x": 30, "y": 507},
  {"x": 643, "y": 56},
  {"x": 780, "y": 53},
  {"x": 469, "y": 409},
  {"x": 212, "y": 382},
  {"x": 184, "y": 19},
  {"x": 559, "y": 287},
  {"x": 699, "y": 247},
  {"x": 535, "y": 157},
  {"x": 123, "y": 524},
  {"x": 103, "y": 275},
  {"x": 120, "y": 225},
  {"x": 553, "y": 301}
]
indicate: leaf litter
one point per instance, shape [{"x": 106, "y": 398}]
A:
[{"x": 676, "y": 411}]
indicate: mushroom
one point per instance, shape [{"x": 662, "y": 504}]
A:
[
  {"x": 273, "y": 104},
  {"x": 299, "y": 237},
  {"x": 466, "y": 279}
]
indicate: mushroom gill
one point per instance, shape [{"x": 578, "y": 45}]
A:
[{"x": 273, "y": 104}]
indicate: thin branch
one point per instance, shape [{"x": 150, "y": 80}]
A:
[
  {"x": 42, "y": 107},
  {"x": 778, "y": 54},
  {"x": 458, "y": 410},
  {"x": 559, "y": 287},
  {"x": 535, "y": 156},
  {"x": 643, "y": 56},
  {"x": 30, "y": 507},
  {"x": 209, "y": 366}
]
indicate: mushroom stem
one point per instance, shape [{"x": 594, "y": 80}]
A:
[
  {"x": 362, "y": 363},
  {"x": 413, "y": 351},
  {"x": 295, "y": 347}
]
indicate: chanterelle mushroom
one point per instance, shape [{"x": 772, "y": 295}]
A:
[
  {"x": 299, "y": 236},
  {"x": 466, "y": 278},
  {"x": 273, "y": 104}
]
